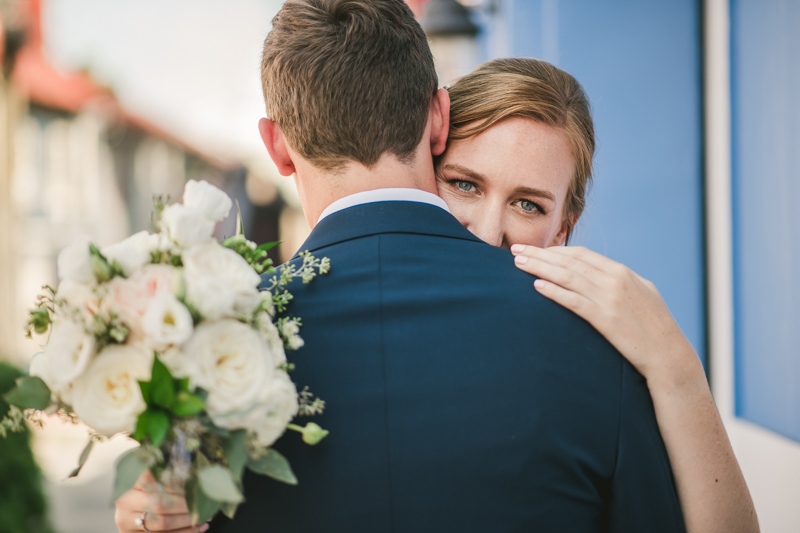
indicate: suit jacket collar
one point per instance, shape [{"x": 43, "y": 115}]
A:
[{"x": 385, "y": 217}]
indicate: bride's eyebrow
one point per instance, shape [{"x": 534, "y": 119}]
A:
[
  {"x": 540, "y": 193},
  {"x": 464, "y": 170}
]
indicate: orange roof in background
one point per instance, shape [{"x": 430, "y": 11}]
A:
[{"x": 45, "y": 85}]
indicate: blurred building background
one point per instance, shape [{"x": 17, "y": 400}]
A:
[{"x": 104, "y": 103}]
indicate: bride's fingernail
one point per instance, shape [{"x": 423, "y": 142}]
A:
[
  {"x": 205, "y": 528},
  {"x": 539, "y": 284},
  {"x": 520, "y": 259},
  {"x": 517, "y": 248}
]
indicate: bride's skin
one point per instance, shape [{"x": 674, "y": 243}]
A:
[{"x": 507, "y": 185}]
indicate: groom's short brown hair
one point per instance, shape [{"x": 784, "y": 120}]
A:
[{"x": 347, "y": 80}]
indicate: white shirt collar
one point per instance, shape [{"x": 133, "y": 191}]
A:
[{"x": 384, "y": 195}]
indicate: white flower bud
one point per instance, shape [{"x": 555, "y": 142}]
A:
[
  {"x": 209, "y": 200},
  {"x": 131, "y": 253},
  {"x": 75, "y": 262},
  {"x": 186, "y": 226}
]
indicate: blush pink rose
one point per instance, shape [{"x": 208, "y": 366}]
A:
[{"x": 129, "y": 298}]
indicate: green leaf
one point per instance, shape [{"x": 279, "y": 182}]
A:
[
  {"x": 162, "y": 384},
  {"x": 235, "y": 452},
  {"x": 266, "y": 247},
  {"x": 273, "y": 465},
  {"x": 141, "y": 426},
  {"x": 82, "y": 460},
  {"x": 206, "y": 507},
  {"x": 218, "y": 483},
  {"x": 229, "y": 509},
  {"x": 183, "y": 384},
  {"x": 157, "y": 427},
  {"x": 239, "y": 222},
  {"x": 187, "y": 404},
  {"x": 190, "y": 493},
  {"x": 129, "y": 468},
  {"x": 145, "y": 387},
  {"x": 29, "y": 393}
]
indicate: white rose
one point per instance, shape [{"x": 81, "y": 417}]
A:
[
  {"x": 236, "y": 367},
  {"x": 69, "y": 350},
  {"x": 185, "y": 225},
  {"x": 129, "y": 298},
  {"x": 107, "y": 397},
  {"x": 207, "y": 199},
  {"x": 178, "y": 362},
  {"x": 219, "y": 282},
  {"x": 131, "y": 253},
  {"x": 271, "y": 336},
  {"x": 166, "y": 322},
  {"x": 279, "y": 408},
  {"x": 80, "y": 296},
  {"x": 75, "y": 262},
  {"x": 40, "y": 368}
]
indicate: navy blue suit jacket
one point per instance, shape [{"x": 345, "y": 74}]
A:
[{"x": 458, "y": 398}]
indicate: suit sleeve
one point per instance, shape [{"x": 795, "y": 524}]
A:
[{"x": 643, "y": 493}]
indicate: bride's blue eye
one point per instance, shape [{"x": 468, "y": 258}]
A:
[
  {"x": 527, "y": 205},
  {"x": 465, "y": 186}
]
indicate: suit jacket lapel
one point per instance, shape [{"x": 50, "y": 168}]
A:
[{"x": 385, "y": 217}]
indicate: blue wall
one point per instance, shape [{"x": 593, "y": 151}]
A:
[
  {"x": 765, "y": 38},
  {"x": 639, "y": 61}
]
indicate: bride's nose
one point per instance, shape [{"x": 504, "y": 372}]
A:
[{"x": 488, "y": 227}]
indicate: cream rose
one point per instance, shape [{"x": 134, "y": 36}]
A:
[
  {"x": 166, "y": 322},
  {"x": 107, "y": 396},
  {"x": 75, "y": 262},
  {"x": 219, "y": 282},
  {"x": 278, "y": 409},
  {"x": 186, "y": 226},
  {"x": 131, "y": 253},
  {"x": 40, "y": 368},
  {"x": 237, "y": 369},
  {"x": 69, "y": 350},
  {"x": 129, "y": 298},
  {"x": 207, "y": 199}
]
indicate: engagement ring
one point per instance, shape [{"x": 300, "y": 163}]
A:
[{"x": 140, "y": 522}]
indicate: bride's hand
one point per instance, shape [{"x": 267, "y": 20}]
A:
[
  {"x": 624, "y": 307},
  {"x": 159, "y": 510}
]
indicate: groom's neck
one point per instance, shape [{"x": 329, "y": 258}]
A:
[{"x": 319, "y": 189}]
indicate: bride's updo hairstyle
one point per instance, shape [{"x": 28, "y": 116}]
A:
[{"x": 534, "y": 89}]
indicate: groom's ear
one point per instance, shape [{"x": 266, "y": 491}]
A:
[
  {"x": 278, "y": 149},
  {"x": 440, "y": 121}
]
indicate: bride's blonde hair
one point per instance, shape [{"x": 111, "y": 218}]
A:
[{"x": 534, "y": 89}]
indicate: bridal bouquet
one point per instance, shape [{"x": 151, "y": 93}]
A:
[{"x": 167, "y": 338}]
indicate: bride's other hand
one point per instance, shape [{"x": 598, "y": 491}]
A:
[
  {"x": 623, "y": 306},
  {"x": 160, "y": 511}
]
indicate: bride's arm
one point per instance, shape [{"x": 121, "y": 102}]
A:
[{"x": 628, "y": 311}]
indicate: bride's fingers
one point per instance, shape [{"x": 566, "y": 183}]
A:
[
  {"x": 573, "y": 263},
  {"x": 577, "y": 303},
  {"x": 585, "y": 255},
  {"x": 569, "y": 279}
]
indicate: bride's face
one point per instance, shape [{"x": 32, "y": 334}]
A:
[{"x": 508, "y": 184}]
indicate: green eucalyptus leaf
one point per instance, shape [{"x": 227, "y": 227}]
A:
[
  {"x": 29, "y": 393},
  {"x": 229, "y": 509},
  {"x": 183, "y": 384},
  {"x": 218, "y": 483},
  {"x": 84, "y": 456},
  {"x": 157, "y": 427},
  {"x": 274, "y": 465},
  {"x": 235, "y": 452},
  {"x": 187, "y": 404},
  {"x": 129, "y": 468},
  {"x": 206, "y": 507},
  {"x": 190, "y": 493}
]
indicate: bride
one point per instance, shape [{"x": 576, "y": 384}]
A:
[{"x": 514, "y": 173}]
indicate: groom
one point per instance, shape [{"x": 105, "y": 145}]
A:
[{"x": 458, "y": 398}]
